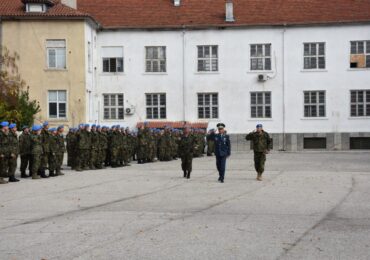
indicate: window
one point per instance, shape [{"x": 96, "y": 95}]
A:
[
  {"x": 35, "y": 8},
  {"x": 260, "y": 104},
  {"x": 56, "y": 54},
  {"x": 314, "y": 104},
  {"x": 360, "y": 54},
  {"x": 207, "y": 58},
  {"x": 156, "y": 106},
  {"x": 112, "y": 59},
  {"x": 113, "y": 106},
  {"x": 314, "y": 143},
  {"x": 360, "y": 103},
  {"x": 57, "y": 100},
  {"x": 155, "y": 59},
  {"x": 314, "y": 55},
  {"x": 261, "y": 57},
  {"x": 207, "y": 105}
]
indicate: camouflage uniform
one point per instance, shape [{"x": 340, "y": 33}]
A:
[
  {"x": 115, "y": 146},
  {"x": 261, "y": 144},
  {"x": 45, "y": 137},
  {"x": 142, "y": 143},
  {"x": 71, "y": 149},
  {"x": 83, "y": 145},
  {"x": 94, "y": 149},
  {"x": 25, "y": 152},
  {"x": 186, "y": 149},
  {"x": 60, "y": 153},
  {"x": 53, "y": 148},
  {"x": 4, "y": 154},
  {"x": 102, "y": 148},
  {"x": 36, "y": 153},
  {"x": 165, "y": 148},
  {"x": 14, "y": 151}
]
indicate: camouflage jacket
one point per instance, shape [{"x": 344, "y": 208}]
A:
[
  {"x": 261, "y": 142},
  {"x": 187, "y": 145},
  {"x": 36, "y": 145},
  {"x": 4, "y": 144},
  {"x": 13, "y": 143},
  {"x": 25, "y": 144}
]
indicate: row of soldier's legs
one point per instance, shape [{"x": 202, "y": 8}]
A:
[
  {"x": 26, "y": 161},
  {"x": 259, "y": 162}
]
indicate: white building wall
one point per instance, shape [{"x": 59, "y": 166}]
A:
[{"x": 234, "y": 81}]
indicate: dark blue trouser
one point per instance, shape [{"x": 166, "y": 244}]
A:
[{"x": 221, "y": 166}]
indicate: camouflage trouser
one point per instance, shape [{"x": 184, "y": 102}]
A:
[
  {"x": 26, "y": 161},
  {"x": 93, "y": 157},
  {"x": 36, "y": 163},
  {"x": 142, "y": 152},
  {"x": 52, "y": 162},
  {"x": 259, "y": 161},
  {"x": 187, "y": 162},
  {"x": 12, "y": 166},
  {"x": 114, "y": 156},
  {"x": 59, "y": 161},
  {"x": 3, "y": 167},
  {"x": 70, "y": 158},
  {"x": 102, "y": 154},
  {"x": 83, "y": 158},
  {"x": 210, "y": 147},
  {"x": 45, "y": 160}
]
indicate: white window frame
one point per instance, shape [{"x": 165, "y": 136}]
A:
[
  {"x": 116, "y": 107},
  {"x": 263, "y": 104},
  {"x": 211, "y": 105},
  {"x": 316, "y": 56},
  {"x": 209, "y": 59},
  {"x": 57, "y": 103},
  {"x": 317, "y": 104},
  {"x": 264, "y": 57},
  {"x": 158, "y": 60},
  {"x": 56, "y": 56},
  {"x": 366, "y": 52},
  {"x": 30, "y": 5},
  {"x": 111, "y": 56},
  {"x": 364, "y": 103},
  {"x": 159, "y": 106}
]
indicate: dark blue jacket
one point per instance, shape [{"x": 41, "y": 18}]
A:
[{"x": 222, "y": 145}]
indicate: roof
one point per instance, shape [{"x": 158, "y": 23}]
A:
[
  {"x": 178, "y": 125},
  {"x": 15, "y": 8},
  {"x": 211, "y": 13}
]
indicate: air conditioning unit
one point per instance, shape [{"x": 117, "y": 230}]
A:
[
  {"x": 262, "y": 77},
  {"x": 130, "y": 110}
]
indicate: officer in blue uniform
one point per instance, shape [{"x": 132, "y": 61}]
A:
[{"x": 222, "y": 150}]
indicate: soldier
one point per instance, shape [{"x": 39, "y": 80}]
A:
[
  {"x": 211, "y": 142},
  {"x": 83, "y": 146},
  {"x": 36, "y": 151},
  {"x": 25, "y": 152},
  {"x": 45, "y": 136},
  {"x": 165, "y": 146},
  {"x": 261, "y": 146},
  {"x": 115, "y": 146},
  {"x": 71, "y": 147},
  {"x": 222, "y": 150},
  {"x": 103, "y": 146},
  {"x": 4, "y": 151},
  {"x": 61, "y": 150},
  {"x": 142, "y": 142},
  {"x": 94, "y": 147},
  {"x": 14, "y": 151},
  {"x": 53, "y": 148},
  {"x": 125, "y": 148},
  {"x": 187, "y": 147}
]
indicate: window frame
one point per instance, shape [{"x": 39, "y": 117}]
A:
[
  {"x": 317, "y": 56},
  {"x": 263, "y": 105},
  {"x": 317, "y": 104},
  {"x": 55, "y": 49},
  {"x": 210, "y": 59},
  {"x": 152, "y": 60},
  {"x": 211, "y": 106},
  {"x": 116, "y": 107},
  {"x": 263, "y": 57},
  {"x": 158, "y": 106},
  {"x": 365, "y": 103},
  {"x": 58, "y": 117}
]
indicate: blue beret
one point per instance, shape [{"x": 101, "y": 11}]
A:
[
  {"x": 52, "y": 129},
  {"x": 36, "y": 127},
  {"x": 98, "y": 126},
  {"x": 259, "y": 126},
  {"x": 46, "y": 123},
  {"x": 94, "y": 125},
  {"x": 86, "y": 125},
  {"x": 60, "y": 127},
  {"x": 11, "y": 126},
  {"x": 4, "y": 124}
]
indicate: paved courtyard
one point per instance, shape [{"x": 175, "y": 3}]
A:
[{"x": 312, "y": 205}]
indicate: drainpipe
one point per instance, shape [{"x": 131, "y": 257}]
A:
[
  {"x": 1, "y": 40},
  {"x": 183, "y": 76},
  {"x": 283, "y": 79}
]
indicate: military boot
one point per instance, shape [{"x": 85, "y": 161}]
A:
[
  {"x": 24, "y": 175},
  {"x": 188, "y": 175},
  {"x": 259, "y": 177},
  {"x": 185, "y": 174},
  {"x": 59, "y": 173},
  {"x": 78, "y": 169},
  {"x": 13, "y": 179},
  {"x": 52, "y": 174},
  {"x": 43, "y": 174},
  {"x": 35, "y": 176},
  {"x": 2, "y": 181}
]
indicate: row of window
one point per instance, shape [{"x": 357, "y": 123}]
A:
[
  {"x": 208, "y": 105},
  {"x": 260, "y": 57}
]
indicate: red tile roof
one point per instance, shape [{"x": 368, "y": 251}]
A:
[
  {"x": 15, "y": 8},
  {"x": 206, "y": 13},
  {"x": 178, "y": 125}
]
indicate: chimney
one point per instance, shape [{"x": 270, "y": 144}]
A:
[
  {"x": 176, "y": 2},
  {"x": 229, "y": 11},
  {"x": 70, "y": 3}
]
